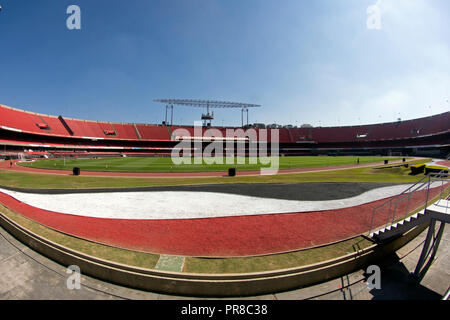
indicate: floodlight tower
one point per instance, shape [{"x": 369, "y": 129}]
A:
[
  {"x": 169, "y": 106},
  {"x": 208, "y": 117},
  {"x": 244, "y": 110}
]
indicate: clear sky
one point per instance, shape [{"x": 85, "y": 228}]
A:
[{"x": 311, "y": 62}]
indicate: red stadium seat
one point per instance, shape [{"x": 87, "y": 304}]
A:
[{"x": 22, "y": 128}]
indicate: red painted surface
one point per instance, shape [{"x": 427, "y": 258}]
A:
[{"x": 229, "y": 236}]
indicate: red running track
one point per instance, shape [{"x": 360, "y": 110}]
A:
[{"x": 219, "y": 237}]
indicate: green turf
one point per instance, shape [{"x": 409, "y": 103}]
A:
[
  {"x": 165, "y": 164},
  {"x": 48, "y": 181}
]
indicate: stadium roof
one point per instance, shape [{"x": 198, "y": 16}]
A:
[{"x": 207, "y": 103}]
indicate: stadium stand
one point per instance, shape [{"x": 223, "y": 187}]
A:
[
  {"x": 151, "y": 132},
  {"x": 41, "y": 132},
  {"x": 125, "y": 131}
]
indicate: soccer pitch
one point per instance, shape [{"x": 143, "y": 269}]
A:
[{"x": 165, "y": 164}]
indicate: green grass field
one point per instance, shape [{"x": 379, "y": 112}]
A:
[
  {"x": 161, "y": 164},
  {"x": 49, "y": 181}
]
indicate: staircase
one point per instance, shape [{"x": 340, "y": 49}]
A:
[
  {"x": 398, "y": 221},
  {"x": 439, "y": 211}
]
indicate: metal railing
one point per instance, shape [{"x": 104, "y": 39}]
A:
[
  {"x": 444, "y": 195},
  {"x": 398, "y": 207}
]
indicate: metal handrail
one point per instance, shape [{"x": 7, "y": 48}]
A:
[
  {"x": 400, "y": 194},
  {"x": 424, "y": 181},
  {"x": 398, "y": 198},
  {"x": 447, "y": 197}
]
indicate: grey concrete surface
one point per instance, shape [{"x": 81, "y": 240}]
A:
[{"x": 28, "y": 275}]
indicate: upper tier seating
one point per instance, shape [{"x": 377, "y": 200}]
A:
[
  {"x": 125, "y": 131},
  {"x": 384, "y": 131},
  {"x": 152, "y": 132},
  {"x": 21, "y": 120},
  {"x": 107, "y": 128},
  {"x": 44, "y": 125},
  {"x": 85, "y": 128}
]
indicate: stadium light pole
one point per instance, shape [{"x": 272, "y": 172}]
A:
[
  {"x": 167, "y": 106},
  {"x": 208, "y": 104}
]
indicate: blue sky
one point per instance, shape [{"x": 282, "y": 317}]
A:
[{"x": 304, "y": 61}]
